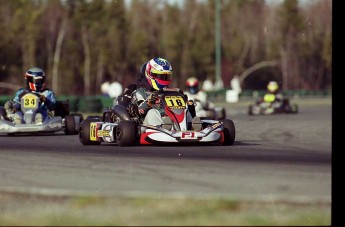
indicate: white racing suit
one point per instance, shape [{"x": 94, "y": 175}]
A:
[{"x": 154, "y": 115}]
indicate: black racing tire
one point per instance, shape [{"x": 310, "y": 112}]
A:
[
  {"x": 125, "y": 133},
  {"x": 294, "y": 108},
  {"x": 70, "y": 125},
  {"x": 3, "y": 113},
  {"x": 287, "y": 109},
  {"x": 84, "y": 133},
  {"x": 250, "y": 110},
  {"x": 81, "y": 117},
  {"x": 229, "y": 132}
]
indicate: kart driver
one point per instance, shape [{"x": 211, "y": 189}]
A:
[
  {"x": 35, "y": 82},
  {"x": 273, "y": 97},
  {"x": 155, "y": 75},
  {"x": 198, "y": 96}
]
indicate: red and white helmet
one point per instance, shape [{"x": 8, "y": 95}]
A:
[
  {"x": 158, "y": 73},
  {"x": 192, "y": 84}
]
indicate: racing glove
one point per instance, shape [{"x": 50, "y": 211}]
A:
[
  {"x": 43, "y": 98},
  {"x": 153, "y": 99},
  {"x": 9, "y": 107}
]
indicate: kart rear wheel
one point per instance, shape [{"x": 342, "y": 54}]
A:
[
  {"x": 294, "y": 108},
  {"x": 229, "y": 132},
  {"x": 84, "y": 133},
  {"x": 250, "y": 110},
  {"x": 125, "y": 133},
  {"x": 70, "y": 125},
  {"x": 81, "y": 117}
]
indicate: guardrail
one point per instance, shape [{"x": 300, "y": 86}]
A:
[{"x": 97, "y": 103}]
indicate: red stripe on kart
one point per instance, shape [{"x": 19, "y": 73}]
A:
[
  {"x": 174, "y": 117},
  {"x": 222, "y": 136},
  {"x": 144, "y": 136}
]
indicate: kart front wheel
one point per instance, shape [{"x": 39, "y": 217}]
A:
[
  {"x": 229, "y": 132},
  {"x": 84, "y": 133},
  {"x": 125, "y": 133}
]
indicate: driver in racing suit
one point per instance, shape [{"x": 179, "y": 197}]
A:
[
  {"x": 198, "y": 96},
  {"x": 35, "y": 83},
  {"x": 155, "y": 75},
  {"x": 273, "y": 97}
]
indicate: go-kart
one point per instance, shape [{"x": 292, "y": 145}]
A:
[
  {"x": 58, "y": 120},
  {"x": 269, "y": 105},
  {"x": 122, "y": 125},
  {"x": 209, "y": 111}
]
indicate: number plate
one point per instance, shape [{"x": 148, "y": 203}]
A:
[
  {"x": 175, "y": 102},
  {"x": 93, "y": 131},
  {"x": 30, "y": 101}
]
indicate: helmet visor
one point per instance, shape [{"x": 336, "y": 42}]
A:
[
  {"x": 37, "y": 80},
  {"x": 162, "y": 76},
  {"x": 193, "y": 90}
]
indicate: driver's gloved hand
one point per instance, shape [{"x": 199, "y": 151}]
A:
[
  {"x": 153, "y": 99},
  {"x": 9, "y": 107},
  {"x": 43, "y": 98},
  {"x": 133, "y": 109}
]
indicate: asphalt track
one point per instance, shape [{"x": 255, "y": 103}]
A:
[{"x": 285, "y": 157}]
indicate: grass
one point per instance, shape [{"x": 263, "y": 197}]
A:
[{"x": 44, "y": 210}]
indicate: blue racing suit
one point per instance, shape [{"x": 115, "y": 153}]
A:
[{"x": 48, "y": 104}]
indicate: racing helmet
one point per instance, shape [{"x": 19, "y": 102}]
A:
[
  {"x": 35, "y": 79},
  {"x": 272, "y": 86},
  {"x": 192, "y": 84},
  {"x": 158, "y": 73}
]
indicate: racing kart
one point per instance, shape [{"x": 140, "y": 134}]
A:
[
  {"x": 262, "y": 107},
  {"x": 58, "y": 120},
  {"x": 208, "y": 111},
  {"x": 122, "y": 125}
]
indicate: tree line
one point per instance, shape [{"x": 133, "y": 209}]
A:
[{"x": 82, "y": 43}]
